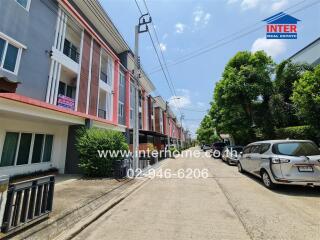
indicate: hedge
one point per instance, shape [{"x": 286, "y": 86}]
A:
[
  {"x": 90, "y": 141},
  {"x": 299, "y": 132}
]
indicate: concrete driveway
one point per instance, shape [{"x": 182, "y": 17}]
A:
[{"x": 226, "y": 205}]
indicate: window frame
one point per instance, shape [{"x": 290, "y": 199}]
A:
[
  {"x": 8, "y": 40},
  {"x": 30, "y": 148},
  {"x": 121, "y": 113},
  {"x": 27, "y": 8}
]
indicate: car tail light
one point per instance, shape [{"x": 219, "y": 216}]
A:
[{"x": 275, "y": 160}]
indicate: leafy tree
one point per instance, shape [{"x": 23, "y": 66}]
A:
[
  {"x": 282, "y": 109},
  {"x": 306, "y": 97},
  {"x": 206, "y": 133},
  {"x": 245, "y": 86}
]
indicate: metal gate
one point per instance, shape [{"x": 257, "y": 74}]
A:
[{"x": 27, "y": 202}]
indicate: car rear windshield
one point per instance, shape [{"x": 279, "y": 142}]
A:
[
  {"x": 297, "y": 149},
  {"x": 237, "y": 149}
]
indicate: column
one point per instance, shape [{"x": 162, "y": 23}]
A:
[
  {"x": 116, "y": 91},
  {"x": 127, "y": 103},
  {"x": 144, "y": 112}
]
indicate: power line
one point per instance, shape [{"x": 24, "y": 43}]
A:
[
  {"x": 162, "y": 54},
  {"x": 215, "y": 45},
  {"x": 171, "y": 88}
]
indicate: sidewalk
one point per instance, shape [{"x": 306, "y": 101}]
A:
[{"x": 75, "y": 198}]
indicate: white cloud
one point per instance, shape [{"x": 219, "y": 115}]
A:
[
  {"x": 279, "y": 5},
  {"x": 232, "y": 1},
  {"x": 200, "y": 17},
  {"x": 273, "y": 47},
  {"x": 249, "y": 4},
  {"x": 163, "y": 46},
  {"x": 180, "y": 27},
  {"x": 181, "y": 100},
  {"x": 263, "y": 5}
]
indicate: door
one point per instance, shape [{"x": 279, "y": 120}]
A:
[
  {"x": 299, "y": 161},
  {"x": 255, "y": 159},
  {"x": 245, "y": 158}
]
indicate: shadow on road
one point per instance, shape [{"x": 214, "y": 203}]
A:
[{"x": 290, "y": 190}]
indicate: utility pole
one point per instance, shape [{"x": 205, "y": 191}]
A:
[
  {"x": 168, "y": 124},
  {"x": 181, "y": 129},
  {"x": 140, "y": 28}
]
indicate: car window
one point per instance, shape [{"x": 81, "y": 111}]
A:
[
  {"x": 246, "y": 150},
  {"x": 264, "y": 147},
  {"x": 297, "y": 149},
  {"x": 255, "y": 149}
]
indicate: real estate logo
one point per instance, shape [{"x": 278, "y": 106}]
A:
[{"x": 281, "y": 26}]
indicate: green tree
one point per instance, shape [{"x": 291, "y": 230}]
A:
[
  {"x": 306, "y": 97},
  {"x": 206, "y": 133},
  {"x": 282, "y": 109},
  {"x": 241, "y": 97}
]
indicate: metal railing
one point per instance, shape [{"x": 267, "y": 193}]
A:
[
  {"x": 71, "y": 52},
  {"x": 103, "y": 77},
  {"x": 27, "y": 202},
  {"x": 102, "y": 113}
]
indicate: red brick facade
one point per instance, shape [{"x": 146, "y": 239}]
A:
[
  {"x": 84, "y": 74},
  {"x": 94, "y": 86}
]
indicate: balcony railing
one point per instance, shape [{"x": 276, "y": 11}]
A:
[
  {"x": 104, "y": 77},
  {"x": 71, "y": 51},
  {"x": 102, "y": 113}
]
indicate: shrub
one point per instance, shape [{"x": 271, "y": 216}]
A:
[
  {"x": 299, "y": 132},
  {"x": 90, "y": 142}
]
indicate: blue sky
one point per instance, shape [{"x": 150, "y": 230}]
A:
[{"x": 184, "y": 26}]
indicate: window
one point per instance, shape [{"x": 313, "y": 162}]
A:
[
  {"x": 25, "y": 148},
  {"x": 9, "y": 56},
  {"x": 264, "y": 147},
  {"x": 67, "y": 90},
  {"x": 246, "y": 150},
  {"x": 70, "y": 50},
  {"x": 255, "y": 149},
  {"x": 9, "y": 149},
  {"x": 122, "y": 81},
  {"x": 106, "y": 69},
  {"x": 297, "y": 149},
  {"x": 24, "y": 3},
  {"x": 121, "y": 109}
]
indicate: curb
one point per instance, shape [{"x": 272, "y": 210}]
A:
[{"x": 81, "y": 225}]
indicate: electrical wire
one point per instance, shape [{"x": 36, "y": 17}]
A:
[
  {"x": 215, "y": 45},
  {"x": 171, "y": 87}
]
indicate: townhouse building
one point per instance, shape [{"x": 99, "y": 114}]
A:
[
  {"x": 309, "y": 54},
  {"x": 63, "y": 66}
]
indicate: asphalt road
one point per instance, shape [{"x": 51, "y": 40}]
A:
[{"x": 226, "y": 205}]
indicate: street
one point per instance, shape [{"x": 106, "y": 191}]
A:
[{"x": 226, "y": 205}]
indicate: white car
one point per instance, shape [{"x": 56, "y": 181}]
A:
[{"x": 295, "y": 162}]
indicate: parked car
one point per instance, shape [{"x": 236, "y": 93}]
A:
[
  {"x": 295, "y": 162},
  {"x": 231, "y": 154},
  {"x": 206, "y": 147},
  {"x": 217, "y": 148}
]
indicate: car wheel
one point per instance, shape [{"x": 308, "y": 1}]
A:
[
  {"x": 229, "y": 162},
  {"x": 240, "y": 169},
  {"x": 267, "y": 182}
]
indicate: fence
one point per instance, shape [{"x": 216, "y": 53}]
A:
[{"x": 27, "y": 202}]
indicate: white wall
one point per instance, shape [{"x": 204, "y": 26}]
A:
[{"x": 59, "y": 147}]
